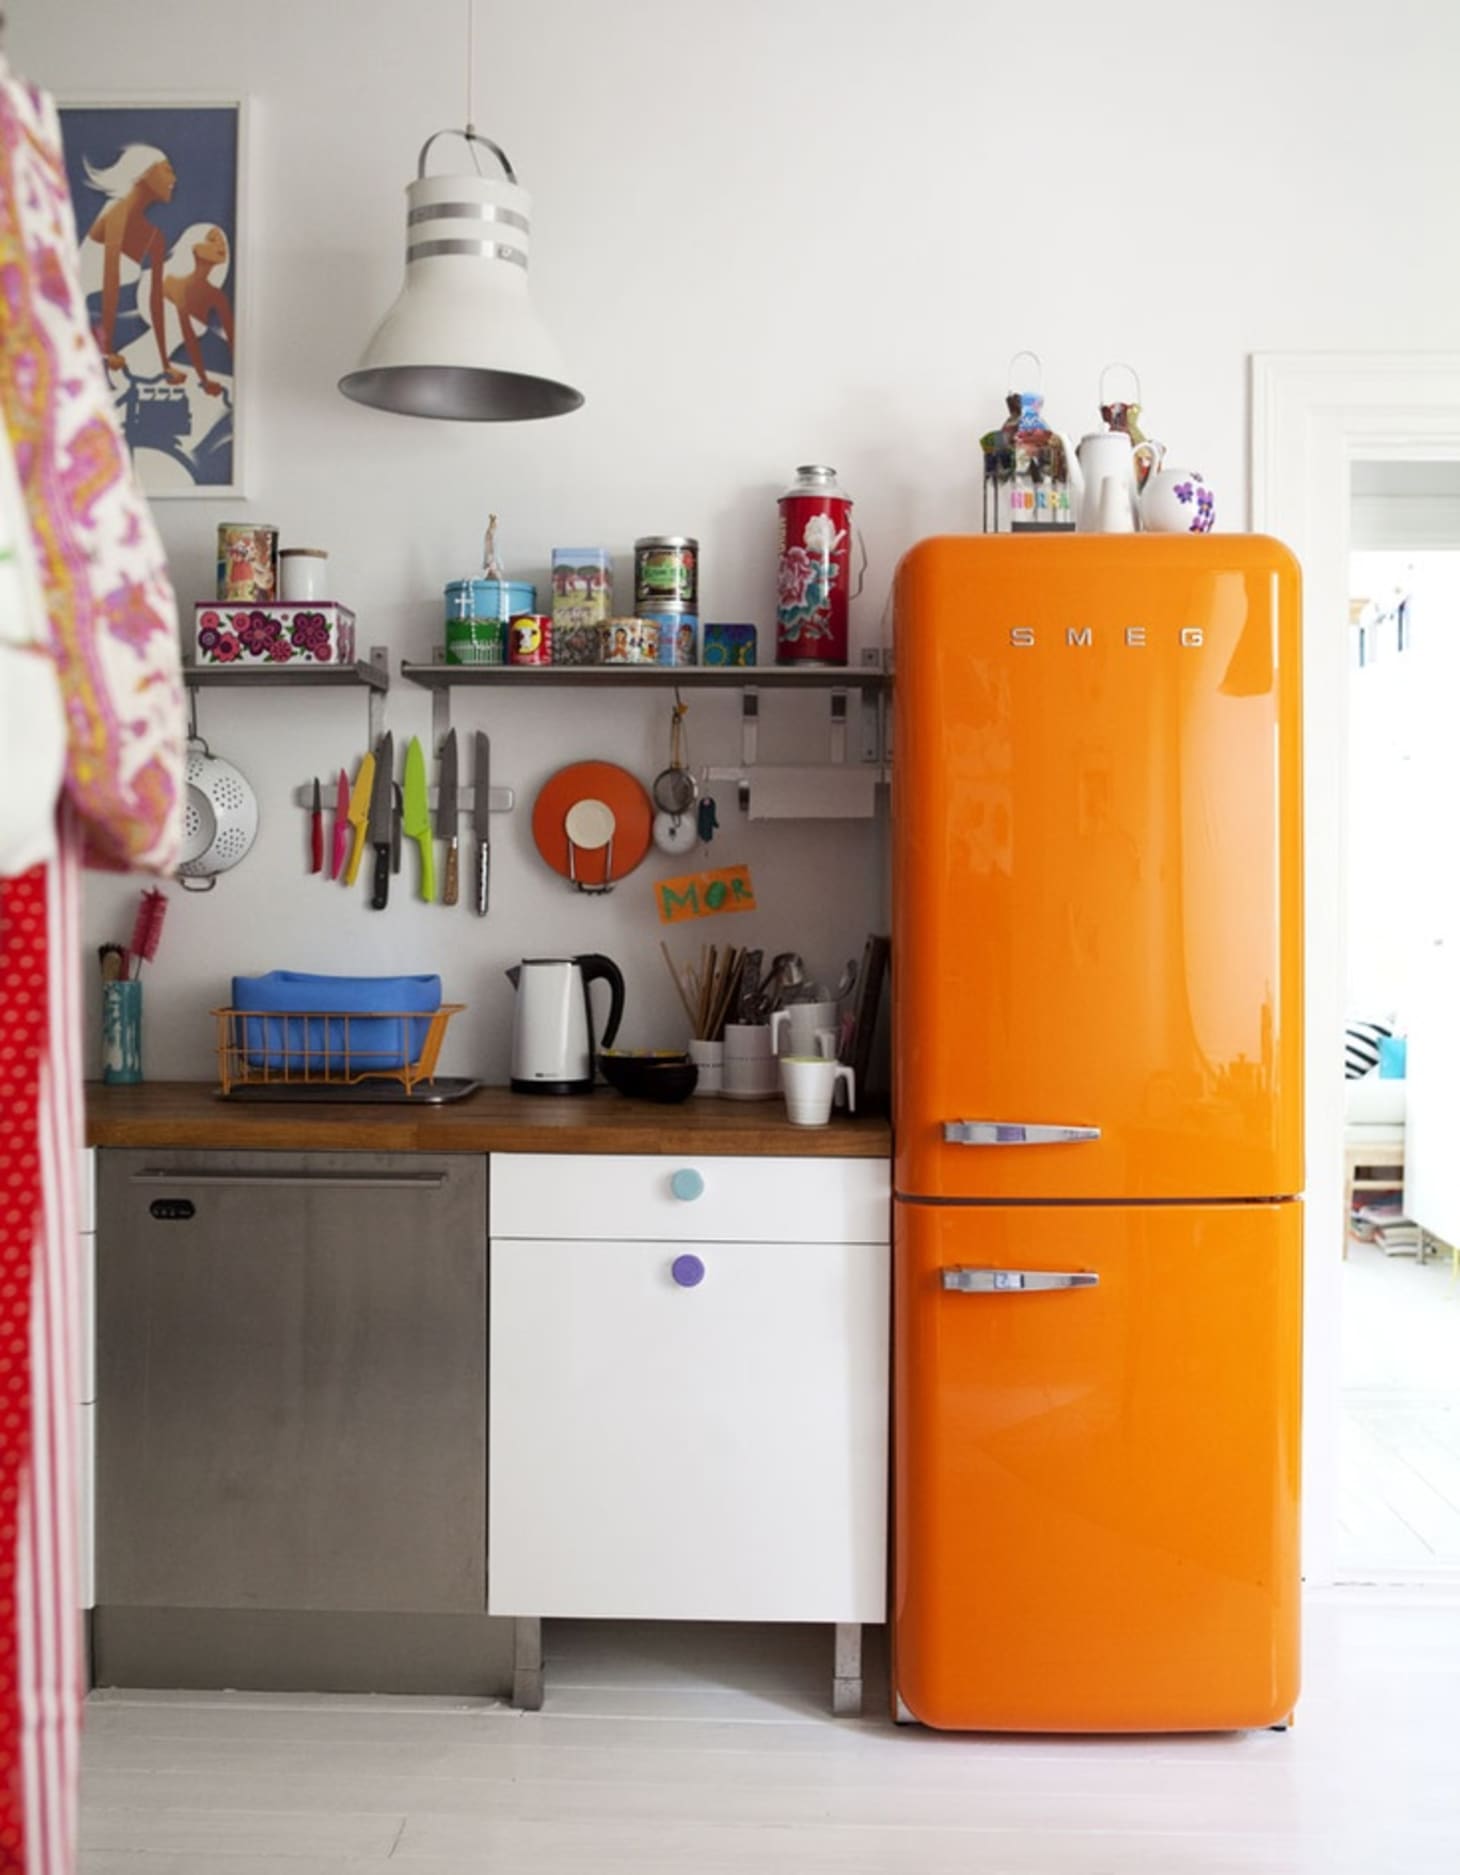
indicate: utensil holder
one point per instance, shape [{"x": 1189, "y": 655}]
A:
[
  {"x": 709, "y": 1058},
  {"x": 121, "y": 1032}
]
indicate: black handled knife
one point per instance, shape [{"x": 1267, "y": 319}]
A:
[
  {"x": 378, "y": 829},
  {"x": 482, "y": 818}
]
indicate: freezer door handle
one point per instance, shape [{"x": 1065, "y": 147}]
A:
[
  {"x": 1013, "y": 1133},
  {"x": 1014, "y": 1282}
]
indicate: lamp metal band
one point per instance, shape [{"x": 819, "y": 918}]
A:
[
  {"x": 485, "y": 250},
  {"x": 468, "y": 211}
]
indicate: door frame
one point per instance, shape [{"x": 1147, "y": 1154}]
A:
[{"x": 1314, "y": 414}]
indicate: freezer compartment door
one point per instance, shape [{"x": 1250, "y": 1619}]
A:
[
  {"x": 1096, "y": 1477},
  {"x": 1097, "y": 869}
]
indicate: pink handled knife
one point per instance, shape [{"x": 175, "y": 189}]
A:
[{"x": 341, "y": 844}]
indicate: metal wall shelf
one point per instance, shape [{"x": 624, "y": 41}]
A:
[
  {"x": 372, "y": 676},
  {"x": 648, "y": 676}
]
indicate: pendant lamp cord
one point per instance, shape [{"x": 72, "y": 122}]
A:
[{"x": 471, "y": 124}]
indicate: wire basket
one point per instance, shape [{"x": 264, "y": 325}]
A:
[{"x": 329, "y": 1047}]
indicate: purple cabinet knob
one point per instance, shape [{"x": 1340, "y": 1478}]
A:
[{"x": 687, "y": 1271}]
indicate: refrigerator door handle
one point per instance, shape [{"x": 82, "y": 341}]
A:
[
  {"x": 1013, "y": 1133},
  {"x": 1015, "y": 1282}
]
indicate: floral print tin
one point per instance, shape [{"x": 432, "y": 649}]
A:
[{"x": 274, "y": 634}]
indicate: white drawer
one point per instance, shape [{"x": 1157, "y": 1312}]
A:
[
  {"x": 690, "y": 1198},
  {"x": 688, "y": 1435}
]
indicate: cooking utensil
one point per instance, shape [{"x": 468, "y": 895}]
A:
[
  {"x": 379, "y": 830},
  {"x": 416, "y": 820},
  {"x": 448, "y": 815},
  {"x": 620, "y": 794},
  {"x": 220, "y": 817},
  {"x": 482, "y": 818},
  {"x": 316, "y": 831},
  {"x": 649, "y": 1074},
  {"x": 341, "y": 840},
  {"x": 359, "y": 815},
  {"x": 675, "y": 789},
  {"x": 396, "y": 810},
  {"x": 589, "y": 828}
]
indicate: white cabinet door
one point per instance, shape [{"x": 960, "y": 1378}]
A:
[{"x": 671, "y": 1448}]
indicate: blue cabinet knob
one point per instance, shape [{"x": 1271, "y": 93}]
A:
[
  {"x": 687, "y": 1184},
  {"x": 687, "y": 1270}
]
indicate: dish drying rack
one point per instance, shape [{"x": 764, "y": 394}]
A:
[{"x": 326, "y": 1054}]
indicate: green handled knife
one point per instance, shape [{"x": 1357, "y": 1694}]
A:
[{"x": 416, "y": 816}]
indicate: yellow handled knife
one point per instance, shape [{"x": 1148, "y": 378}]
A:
[{"x": 359, "y": 815}]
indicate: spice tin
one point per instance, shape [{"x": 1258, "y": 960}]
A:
[
  {"x": 630, "y": 641},
  {"x": 530, "y": 639},
  {"x": 582, "y": 587},
  {"x": 248, "y": 563},
  {"x": 679, "y": 634},
  {"x": 729, "y": 644},
  {"x": 666, "y": 570},
  {"x": 577, "y": 644},
  {"x": 476, "y": 641}
]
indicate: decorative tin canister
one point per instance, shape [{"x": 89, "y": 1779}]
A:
[
  {"x": 273, "y": 634},
  {"x": 729, "y": 645},
  {"x": 477, "y": 611},
  {"x": 248, "y": 563},
  {"x": 630, "y": 641},
  {"x": 814, "y": 581},
  {"x": 582, "y": 593},
  {"x": 679, "y": 634},
  {"x": 666, "y": 571},
  {"x": 577, "y": 644},
  {"x": 530, "y": 639}
]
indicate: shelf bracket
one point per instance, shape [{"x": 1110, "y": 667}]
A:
[
  {"x": 838, "y": 726},
  {"x": 380, "y": 658},
  {"x": 749, "y": 725}
]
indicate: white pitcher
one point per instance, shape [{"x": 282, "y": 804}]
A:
[
  {"x": 1175, "y": 501},
  {"x": 1105, "y": 456}
]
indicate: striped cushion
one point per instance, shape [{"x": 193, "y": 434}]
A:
[{"x": 1361, "y": 1048}]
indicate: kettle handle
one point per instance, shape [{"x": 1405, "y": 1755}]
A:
[{"x": 597, "y": 968}]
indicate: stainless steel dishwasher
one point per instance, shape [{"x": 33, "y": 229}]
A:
[{"x": 291, "y": 1422}]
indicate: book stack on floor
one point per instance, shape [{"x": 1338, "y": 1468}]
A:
[{"x": 1383, "y": 1223}]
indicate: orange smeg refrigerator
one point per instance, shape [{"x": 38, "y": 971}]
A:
[{"x": 1098, "y": 1115}]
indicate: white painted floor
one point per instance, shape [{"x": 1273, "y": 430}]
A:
[
  {"x": 1399, "y": 1436},
  {"x": 704, "y": 1751}
]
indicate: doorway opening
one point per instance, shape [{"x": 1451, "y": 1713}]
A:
[{"x": 1398, "y": 1451}]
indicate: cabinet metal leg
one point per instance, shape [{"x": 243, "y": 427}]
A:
[
  {"x": 846, "y": 1685},
  {"x": 527, "y": 1663}
]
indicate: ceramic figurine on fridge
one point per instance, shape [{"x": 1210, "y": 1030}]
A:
[{"x": 1097, "y": 857}]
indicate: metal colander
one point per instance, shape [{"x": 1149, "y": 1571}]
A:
[{"x": 220, "y": 817}]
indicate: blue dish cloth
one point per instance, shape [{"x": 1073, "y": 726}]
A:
[
  {"x": 314, "y": 1040},
  {"x": 1392, "y": 1052}
]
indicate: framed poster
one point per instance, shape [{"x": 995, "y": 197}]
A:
[{"x": 157, "y": 189}]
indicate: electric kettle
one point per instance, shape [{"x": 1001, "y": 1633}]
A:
[{"x": 554, "y": 1050}]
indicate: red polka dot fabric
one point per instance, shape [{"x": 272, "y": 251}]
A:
[{"x": 23, "y": 965}]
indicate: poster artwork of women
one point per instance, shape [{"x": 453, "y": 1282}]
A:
[{"x": 155, "y": 191}]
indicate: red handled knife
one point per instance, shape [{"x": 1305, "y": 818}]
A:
[{"x": 342, "y": 825}]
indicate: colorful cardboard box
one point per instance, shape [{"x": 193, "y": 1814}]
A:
[{"x": 315, "y": 633}]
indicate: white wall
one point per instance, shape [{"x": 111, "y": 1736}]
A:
[{"x": 780, "y": 231}]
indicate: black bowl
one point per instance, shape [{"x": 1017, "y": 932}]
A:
[{"x": 664, "y": 1077}]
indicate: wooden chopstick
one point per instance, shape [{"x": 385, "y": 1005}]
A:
[{"x": 689, "y": 1008}]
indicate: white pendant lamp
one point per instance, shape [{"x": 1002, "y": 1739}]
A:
[{"x": 463, "y": 341}]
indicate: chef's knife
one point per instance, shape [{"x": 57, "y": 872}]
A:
[
  {"x": 396, "y": 810},
  {"x": 416, "y": 819},
  {"x": 380, "y": 820},
  {"x": 359, "y": 815},
  {"x": 447, "y": 816},
  {"x": 482, "y": 817},
  {"x": 341, "y": 843},
  {"x": 316, "y": 831}
]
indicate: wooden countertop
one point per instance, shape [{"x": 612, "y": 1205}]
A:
[{"x": 189, "y": 1114}]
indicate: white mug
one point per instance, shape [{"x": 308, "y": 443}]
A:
[
  {"x": 709, "y": 1058},
  {"x": 809, "y": 1083},
  {"x": 804, "y": 1029},
  {"x": 303, "y": 575},
  {"x": 750, "y": 1068}
]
